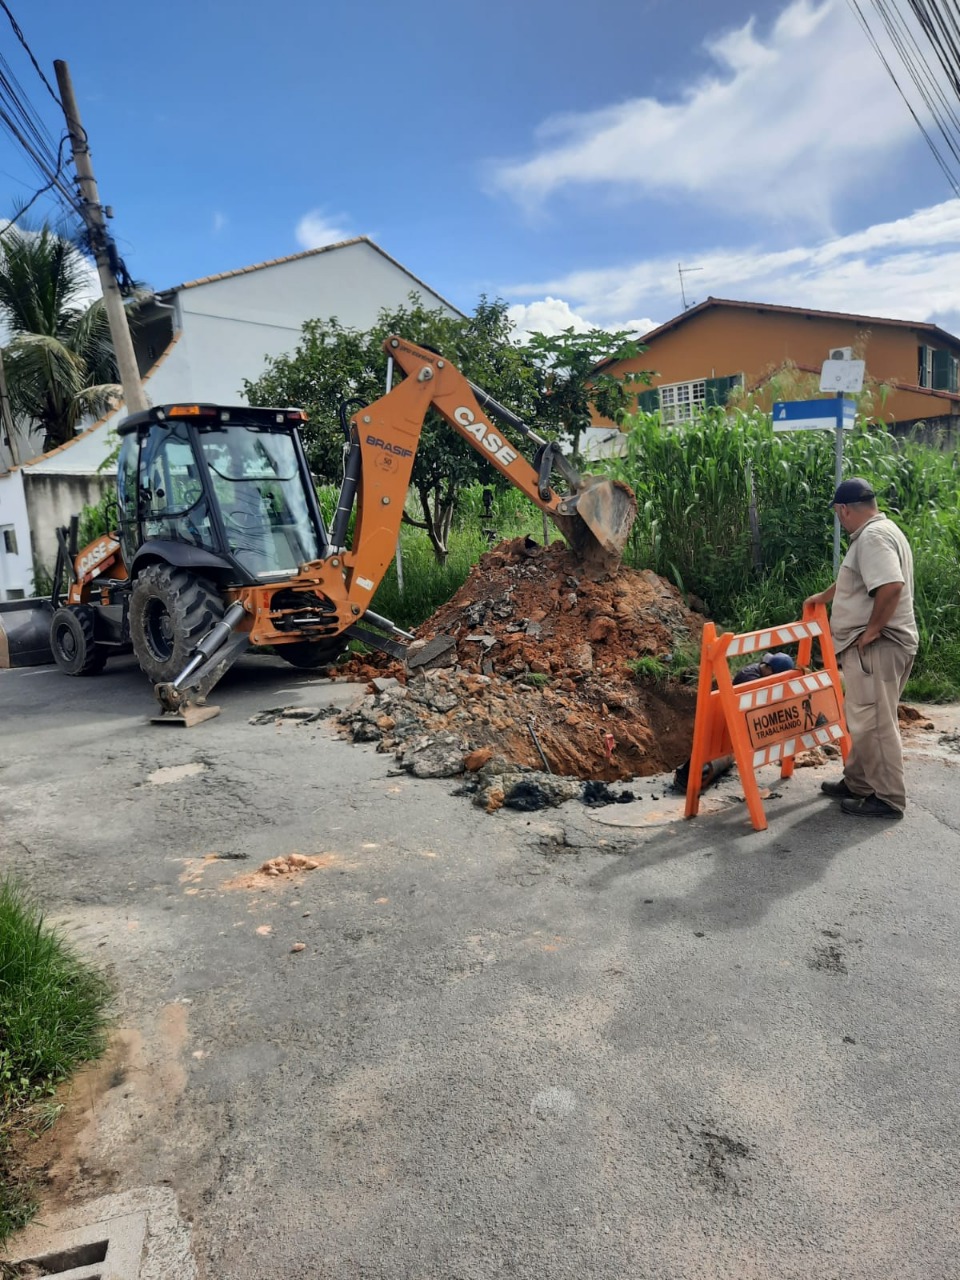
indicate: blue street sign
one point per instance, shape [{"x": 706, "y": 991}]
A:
[{"x": 814, "y": 415}]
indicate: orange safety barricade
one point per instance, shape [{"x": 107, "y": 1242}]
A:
[{"x": 768, "y": 720}]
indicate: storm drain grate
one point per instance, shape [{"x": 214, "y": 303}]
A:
[{"x": 108, "y": 1250}]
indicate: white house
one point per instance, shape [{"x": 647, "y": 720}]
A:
[{"x": 198, "y": 342}]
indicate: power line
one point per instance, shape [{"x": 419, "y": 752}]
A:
[
  {"x": 21, "y": 120},
  {"x": 923, "y": 78},
  {"x": 36, "y": 195},
  {"x": 20, "y": 36}
]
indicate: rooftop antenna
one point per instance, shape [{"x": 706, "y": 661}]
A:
[{"x": 686, "y": 272}]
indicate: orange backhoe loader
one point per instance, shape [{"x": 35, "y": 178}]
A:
[{"x": 221, "y": 545}]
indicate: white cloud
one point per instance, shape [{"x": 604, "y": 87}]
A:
[
  {"x": 783, "y": 126},
  {"x": 907, "y": 269},
  {"x": 551, "y": 316},
  {"x": 219, "y": 222},
  {"x": 547, "y": 315},
  {"x": 316, "y": 229}
]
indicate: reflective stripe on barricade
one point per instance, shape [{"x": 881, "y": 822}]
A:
[
  {"x": 751, "y": 641},
  {"x": 766, "y": 721}
]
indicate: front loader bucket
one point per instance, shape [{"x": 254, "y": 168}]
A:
[
  {"x": 25, "y": 633},
  {"x": 596, "y": 520}
]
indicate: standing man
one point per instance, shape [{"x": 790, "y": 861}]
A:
[{"x": 875, "y": 636}]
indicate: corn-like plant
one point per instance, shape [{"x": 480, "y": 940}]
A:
[{"x": 741, "y": 516}]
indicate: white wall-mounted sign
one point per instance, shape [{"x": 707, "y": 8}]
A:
[{"x": 842, "y": 375}]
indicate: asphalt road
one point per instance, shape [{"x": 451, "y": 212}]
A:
[{"x": 519, "y": 1045}]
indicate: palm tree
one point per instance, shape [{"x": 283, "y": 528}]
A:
[{"x": 59, "y": 359}]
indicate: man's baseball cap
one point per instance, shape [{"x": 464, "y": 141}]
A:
[{"x": 854, "y": 490}]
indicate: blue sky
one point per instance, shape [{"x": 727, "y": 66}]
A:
[{"x": 565, "y": 157}]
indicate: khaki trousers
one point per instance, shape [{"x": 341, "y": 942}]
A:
[{"x": 873, "y": 683}]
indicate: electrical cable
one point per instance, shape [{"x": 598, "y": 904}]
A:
[
  {"x": 35, "y": 197},
  {"x": 922, "y": 77},
  {"x": 23, "y": 123},
  {"x": 20, "y": 36}
]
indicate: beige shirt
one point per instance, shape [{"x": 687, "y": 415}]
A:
[{"x": 878, "y": 553}]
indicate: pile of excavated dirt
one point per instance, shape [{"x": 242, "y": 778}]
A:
[{"x": 527, "y": 664}]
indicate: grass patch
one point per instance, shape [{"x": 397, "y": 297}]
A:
[
  {"x": 649, "y": 670},
  {"x": 427, "y": 584},
  {"x": 52, "y": 1020}
]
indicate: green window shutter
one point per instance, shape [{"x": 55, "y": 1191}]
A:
[
  {"x": 648, "y": 401},
  {"x": 941, "y": 370},
  {"x": 718, "y": 389},
  {"x": 923, "y": 366}
]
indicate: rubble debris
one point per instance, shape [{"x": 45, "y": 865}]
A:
[
  {"x": 912, "y": 718},
  {"x": 530, "y": 640},
  {"x": 293, "y": 715},
  {"x": 596, "y": 794},
  {"x": 288, "y": 864},
  {"x": 281, "y": 868}
]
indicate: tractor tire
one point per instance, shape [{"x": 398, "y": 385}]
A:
[
  {"x": 75, "y": 651},
  {"x": 171, "y": 610},
  {"x": 309, "y": 655}
]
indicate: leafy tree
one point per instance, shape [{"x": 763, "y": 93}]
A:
[
  {"x": 59, "y": 359},
  {"x": 333, "y": 363},
  {"x": 576, "y": 383}
]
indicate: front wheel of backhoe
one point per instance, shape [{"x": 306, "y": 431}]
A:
[
  {"x": 75, "y": 650},
  {"x": 171, "y": 610}
]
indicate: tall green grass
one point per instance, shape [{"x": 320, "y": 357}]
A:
[
  {"x": 694, "y": 485},
  {"x": 51, "y": 1021}
]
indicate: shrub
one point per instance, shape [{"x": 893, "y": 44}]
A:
[
  {"x": 51, "y": 1021},
  {"x": 741, "y": 516}
]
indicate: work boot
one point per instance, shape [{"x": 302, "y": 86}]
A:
[
  {"x": 839, "y": 790},
  {"x": 870, "y": 807}
]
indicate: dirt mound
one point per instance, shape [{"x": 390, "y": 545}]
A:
[{"x": 528, "y": 663}]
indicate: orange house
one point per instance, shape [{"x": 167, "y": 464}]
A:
[{"x": 719, "y": 347}]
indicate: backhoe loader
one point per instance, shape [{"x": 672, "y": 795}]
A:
[{"x": 220, "y": 543}]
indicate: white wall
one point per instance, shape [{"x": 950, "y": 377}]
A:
[
  {"x": 52, "y": 499},
  {"x": 230, "y": 326},
  {"x": 16, "y": 571}
]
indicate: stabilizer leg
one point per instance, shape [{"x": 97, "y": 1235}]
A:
[{"x": 184, "y": 700}]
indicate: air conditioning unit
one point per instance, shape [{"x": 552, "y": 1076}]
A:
[{"x": 841, "y": 353}]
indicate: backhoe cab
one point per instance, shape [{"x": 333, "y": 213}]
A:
[{"x": 221, "y": 544}]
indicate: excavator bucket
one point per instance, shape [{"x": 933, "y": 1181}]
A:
[
  {"x": 25, "y": 633},
  {"x": 596, "y": 519},
  {"x": 608, "y": 508}
]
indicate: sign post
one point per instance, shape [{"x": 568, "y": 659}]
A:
[
  {"x": 840, "y": 372},
  {"x": 836, "y": 414}
]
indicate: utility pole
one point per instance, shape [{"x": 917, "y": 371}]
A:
[{"x": 93, "y": 216}]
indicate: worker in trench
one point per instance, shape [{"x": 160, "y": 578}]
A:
[{"x": 770, "y": 664}]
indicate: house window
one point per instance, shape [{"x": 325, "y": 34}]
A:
[
  {"x": 937, "y": 369},
  {"x": 10, "y": 542},
  {"x": 682, "y": 401},
  {"x": 679, "y": 402}
]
